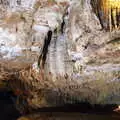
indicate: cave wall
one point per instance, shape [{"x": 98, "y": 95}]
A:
[{"x": 92, "y": 53}]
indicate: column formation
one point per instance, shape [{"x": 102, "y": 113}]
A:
[{"x": 111, "y": 14}]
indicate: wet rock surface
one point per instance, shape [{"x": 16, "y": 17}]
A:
[{"x": 68, "y": 116}]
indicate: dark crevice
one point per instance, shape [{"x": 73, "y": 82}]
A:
[
  {"x": 43, "y": 55},
  {"x": 62, "y": 26},
  {"x": 63, "y": 20}
]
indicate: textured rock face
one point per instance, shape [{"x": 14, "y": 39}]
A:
[
  {"x": 18, "y": 4},
  {"x": 81, "y": 60},
  {"x": 23, "y": 31}
]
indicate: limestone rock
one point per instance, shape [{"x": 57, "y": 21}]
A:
[{"x": 81, "y": 60}]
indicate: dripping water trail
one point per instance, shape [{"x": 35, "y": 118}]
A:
[{"x": 42, "y": 57}]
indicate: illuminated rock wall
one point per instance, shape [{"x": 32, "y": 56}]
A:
[
  {"x": 108, "y": 12},
  {"x": 17, "y": 4}
]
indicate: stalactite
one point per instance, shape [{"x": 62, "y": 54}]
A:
[
  {"x": 18, "y": 2},
  {"x": 114, "y": 7},
  {"x": 108, "y": 12},
  {"x": 5, "y": 3}
]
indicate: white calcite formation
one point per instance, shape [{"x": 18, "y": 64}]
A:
[
  {"x": 24, "y": 28},
  {"x": 18, "y": 4},
  {"x": 8, "y": 46}
]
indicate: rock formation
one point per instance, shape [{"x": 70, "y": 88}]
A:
[{"x": 80, "y": 62}]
